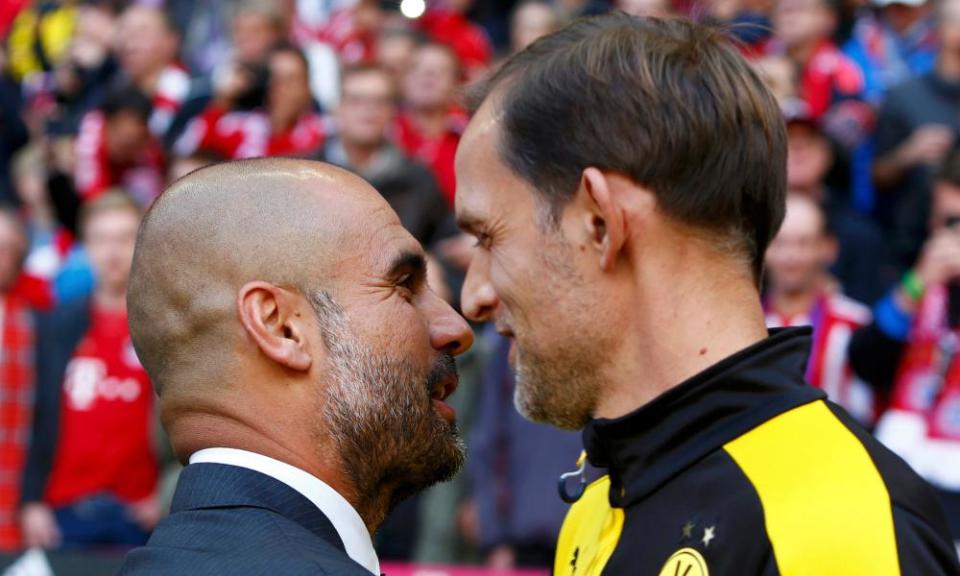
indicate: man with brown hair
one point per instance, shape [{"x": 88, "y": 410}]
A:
[{"x": 623, "y": 178}]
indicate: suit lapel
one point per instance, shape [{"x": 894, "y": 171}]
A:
[{"x": 219, "y": 485}]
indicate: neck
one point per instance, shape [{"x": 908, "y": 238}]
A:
[
  {"x": 431, "y": 122},
  {"x": 790, "y": 304},
  {"x": 816, "y": 191},
  {"x": 111, "y": 298},
  {"x": 692, "y": 312},
  {"x": 211, "y": 424},
  {"x": 281, "y": 122},
  {"x": 948, "y": 65},
  {"x": 360, "y": 155},
  {"x": 803, "y": 52}
]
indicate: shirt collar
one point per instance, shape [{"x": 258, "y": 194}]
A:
[
  {"x": 646, "y": 448},
  {"x": 345, "y": 519}
]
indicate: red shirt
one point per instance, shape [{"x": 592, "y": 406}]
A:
[
  {"x": 467, "y": 39},
  {"x": 105, "y": 442},
  {"x": 246, "y": 134},
  {"x": 834, "y": 319},
  {"x": 437, "y": 153},
  {"x": 94, "y": 173}
]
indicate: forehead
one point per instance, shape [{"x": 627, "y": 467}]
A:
[{"x": 486, "y": 186}]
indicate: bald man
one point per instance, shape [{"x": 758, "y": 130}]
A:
[{"x": 301, "y": 363}]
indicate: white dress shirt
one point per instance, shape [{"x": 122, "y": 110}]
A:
[{"x": 345, "y": 520}]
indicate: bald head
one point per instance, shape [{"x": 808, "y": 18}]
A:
[{"x": 281, "y": 221}]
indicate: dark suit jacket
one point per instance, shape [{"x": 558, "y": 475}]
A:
[{"x": 227, "y": 520}]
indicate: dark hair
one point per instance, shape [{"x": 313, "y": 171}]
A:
[
  {"x": 669, "y": 103},
  {"x": 290, "y": 48},
  {"x": 127, "y": 99}
]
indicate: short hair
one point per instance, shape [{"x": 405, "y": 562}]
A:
[
  {"x": 113, "y": 200},
  {"x": 266, "y": 8},
  {"x": 291, "y": 48},
  {"x": 127, "y": 98},
  {"x": 669, "y": 103}
]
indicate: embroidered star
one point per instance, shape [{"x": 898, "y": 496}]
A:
[
  {"x": 688, "y": 529},
  {"x": 708, "y": 535}
]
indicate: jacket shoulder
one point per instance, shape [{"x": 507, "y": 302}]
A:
[{"x": 238, "y": 541}]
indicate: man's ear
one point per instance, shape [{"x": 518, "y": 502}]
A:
[
  {"x": 269, "y": 315},
  {"x": 605, "y": 220}
]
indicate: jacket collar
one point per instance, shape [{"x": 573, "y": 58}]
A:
[
  {"x": 646, "y": 448},
  {"x": 204, "y": 486}
]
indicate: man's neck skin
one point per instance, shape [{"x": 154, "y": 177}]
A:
[
  {"x": 360, "y": 155},
  {"x": 209, "y": 423},
  {"x": 112, "y": 298},
  {"x": 792, "y": 304},
  {"x": 690, "y": 311},
  {"x": 430, "y": 122}
]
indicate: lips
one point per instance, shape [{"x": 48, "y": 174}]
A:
[{"x": 444, "y": 388}]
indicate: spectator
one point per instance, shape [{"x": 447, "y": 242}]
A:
[
  {"x": 147, "y": 49},
  {"x": 892, "y": 44},
  {"x": 258, "y": 27},
  {"x": 430, "y": 125},
  {"x": 395, "y": 50},
  {"x": 646, "y": 8},
  {"x": 115, "y": 148},
  {"x": 513, "y": 467},
  {"x": 801, "y": 292},
  {"x": 288, "y": 124},
  {"x": 91, "y": 471},
  {"x": 916, "y": 128},
  {"x": 530, "y": 20},
  {"x": 364, "y": 117},
  {"x": 49, "y": 242},
  {"x": 16, "y": 377},
  {"x": 40, "y": 37},
  {"x": 863, "y": 265},
  {"x": 446, "y": 23},
  {"x": 911, "y": 351}
]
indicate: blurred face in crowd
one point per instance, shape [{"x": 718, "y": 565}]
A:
[
  {"x": 145, "y": 43},
  {"x": 534, "y": 284},
  {"x": 432, "y": 78},
  {"x": 394, "y": 52},
  {"x": 809, "y": 156},
  {"x": 109, "y": 237},
  {"x": 800, "y": 22},
  {"x": 647, "y": 8},
  {"x": 127, "y": 137},
  {"x": 949, "y": 26},
  {"x": 366, "y": 108},
  {"x": 778, "y": 74},
  {"x": 901, "y": 17},
  {"x": 254, "y": 35},
  {"x": 289, "y": 88},
  {"x": 13, "y": 247},
  {"x": 531, "y": 21},
  {"x": 802, "y": 251}
]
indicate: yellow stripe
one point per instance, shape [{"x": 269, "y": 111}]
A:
[
  {"x": 827, "y": 510},
  {"x": 590, "y": 533}
]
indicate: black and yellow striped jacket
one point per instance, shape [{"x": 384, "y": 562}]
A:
[{"x": 745, "y": 470}]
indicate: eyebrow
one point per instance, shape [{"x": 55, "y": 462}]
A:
[
  {"x": 408, "y": 263},
  {"x": 468, "y": 222}
]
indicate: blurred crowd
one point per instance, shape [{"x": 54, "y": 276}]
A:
[{"x": 105, "y": 102}]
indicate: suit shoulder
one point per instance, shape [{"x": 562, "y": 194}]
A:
[{"x": 242, "y": 541}]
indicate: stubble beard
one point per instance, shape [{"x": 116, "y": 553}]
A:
[{"x": 378, "y": 412}]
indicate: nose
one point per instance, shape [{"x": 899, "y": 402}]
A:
[
  {"x": 449, "y": 332},
  {"x": 478, "y": 297}
]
